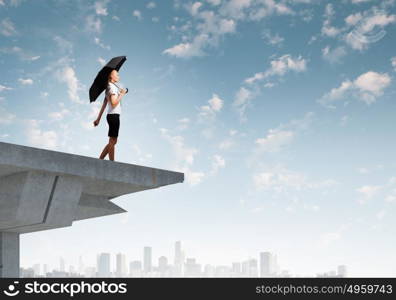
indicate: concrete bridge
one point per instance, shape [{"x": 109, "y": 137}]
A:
[{"x": 42, "y": 189}]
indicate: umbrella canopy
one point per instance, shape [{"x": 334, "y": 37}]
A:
[{"x": 101, "y": 80}]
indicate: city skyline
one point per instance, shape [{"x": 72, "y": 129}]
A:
[{"x": 184, "y": 266}]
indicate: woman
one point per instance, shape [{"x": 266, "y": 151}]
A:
[{"x": 112, "y": 99}]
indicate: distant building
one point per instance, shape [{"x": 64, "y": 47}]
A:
[
  {"x": 147, "y": 260},
  {"x": 253, "y": 268},
  {"x": 191, "y": 268},
  {"x": 163, "y": 267},
  {"x": 223, "y": 271},
  {"x": 61, "y": 264},
  {"x": 103, "y": 265},
  {"x": 342, "y": 271},
  {"x": 268, "y": 264},
  {"x": 121, "y": 265},
  {"x": 135, "y": 269},
  {"x": 37, "y": 270},
  {"x": 26, "y": 273},
  {"x": 209, "y": 271},
  {"x": 236, "y": 269},
  {"x": 178, "y": 261}
]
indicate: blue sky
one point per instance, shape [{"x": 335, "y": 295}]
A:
[{"x": 280, "y": 114}]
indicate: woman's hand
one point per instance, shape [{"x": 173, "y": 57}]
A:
[
  {"x": 123, "y": 92},
  {"x": 96, "y": 122}
]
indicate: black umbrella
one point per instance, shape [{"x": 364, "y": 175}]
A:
[{"x": 101, "y": 80}]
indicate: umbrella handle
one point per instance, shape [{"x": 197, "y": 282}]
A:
[{"x": 126, "y": 90}]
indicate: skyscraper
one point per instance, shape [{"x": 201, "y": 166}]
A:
[
  {"x": 268, "y": 264},
  {"x": 80, "y": 265},
  {"x": 61, "y": 264},
  {"x": 103, "y": 265},
  {"x": 147, "y": 260},
  {"x": 121, "y": 265},
  {"x": 179, "y": 260}
]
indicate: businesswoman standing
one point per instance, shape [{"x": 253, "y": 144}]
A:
[{"x": 112, "y": 99}]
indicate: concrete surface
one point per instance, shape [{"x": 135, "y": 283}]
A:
[{"x": 43, "y": 189}]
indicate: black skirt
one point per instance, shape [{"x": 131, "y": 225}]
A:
[{"x": 114, "y": 124}]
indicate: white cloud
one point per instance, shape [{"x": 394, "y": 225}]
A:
[
  {"x": 142, "y": 157},
  {"x": 100, "y": 7},
  {"x": 226, "y": 144},
  {"x": 4, "y": 88},
  {"x": 136, "y": 13},
  {"x": 278, "y": 138},
  {"x": 367, "y": 87},
  {"x": 44, "y": 94},
  {"x": 218, "y": 162},
  {"x": 333, "y": 55},
  {"x": 68, "y": 75},
  {"x": 242, "y": 101},
  {"x": 360, "y": 1},
  {"x": 101, "y": 61},
  {"x": 393, "y": 62},
  {"x": 39, "y": 138},
  {"x": 215, "y": 103},
  {"x": 151, "y": 5},
  {"x": 183, "y": 123},
  {"x": 22, "y": 54},
  {"x": 184, "y": 157},
  {"x": 369, "y": 29},
  {"x": 353, "y": 19},
  {"x": 63, "y": 44},
  {"x": 58, "y": 115},
  {"x": 369, "y": 191},
  {"x": 373, "y": 82},
  {"x": 194, "y": 7},
  {"x": 235, "y": 8},
  {"x": 280, "y": 179},
  {"x": 280, "y": 67},
  {"x": 214, "y": 2},
  {"x": 94, "y": 109},
  {"x": 27, "y": 81},
  {"x": 327, "y": 29},
  {"x": 208, "y": 112},
  {"x": 275, "y": 140},
  {"x": 7, "y": 28},
  {"x": 272, "y": 39},
  {"x": 208, "y": 33},
  {"x": 101, "y": 44},
  {"x": 93, "y": 24},
  {"x": 190, "y": 49}
]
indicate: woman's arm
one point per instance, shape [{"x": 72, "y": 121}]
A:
[
  {"x": 96, "y": 122},
  {"x": 115, "y": 100}
]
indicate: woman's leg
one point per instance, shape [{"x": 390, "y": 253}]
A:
[
  {"x": 105, "y": 151},
  {"x": 112, "y": 142}
]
